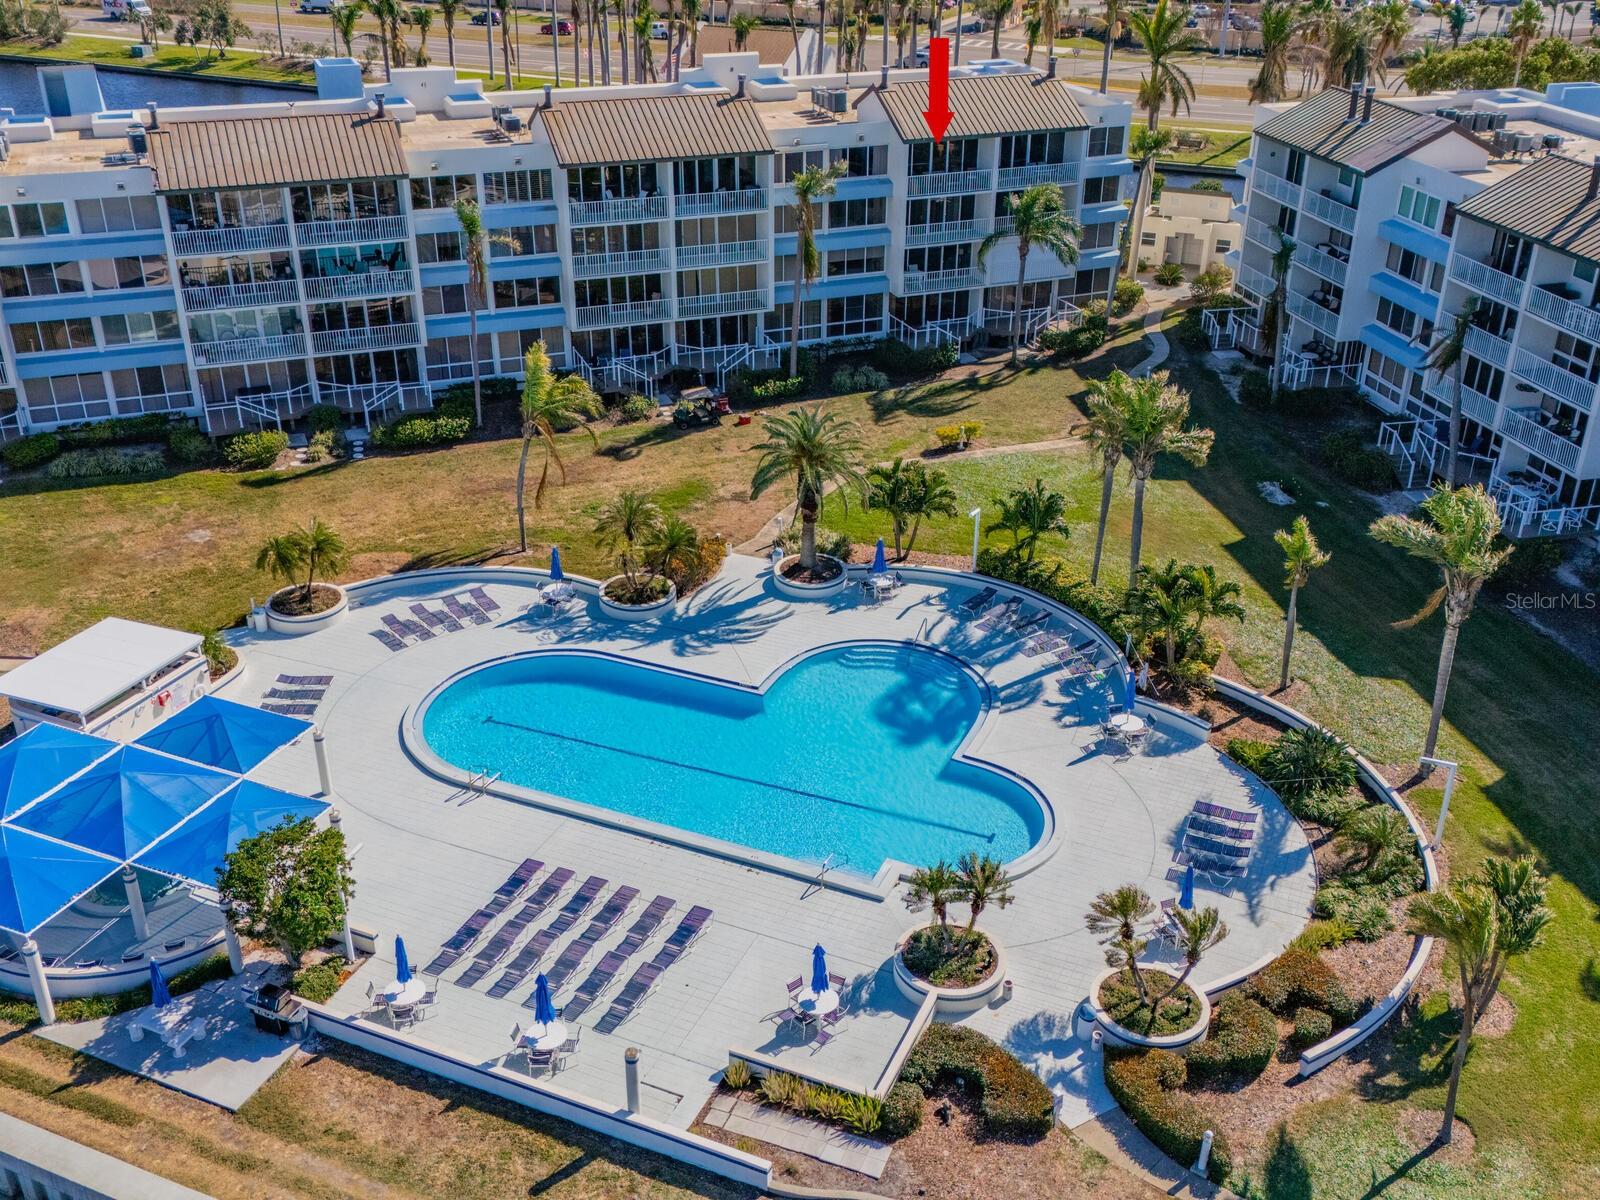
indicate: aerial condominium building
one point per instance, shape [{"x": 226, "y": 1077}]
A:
[
  {"x": 241, "y": 264},
  {"x": 1403, "y": 214}
]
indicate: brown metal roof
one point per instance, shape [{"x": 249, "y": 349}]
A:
[
  {"x": 646, "y": 128},
  {"x": 1321, "y": 127},
  {"x": 265, "y": 151},
  {"x": 1549, "y": 201},
  {"x": 774, "y": 46},
  {"x": 986, "y": 106}
]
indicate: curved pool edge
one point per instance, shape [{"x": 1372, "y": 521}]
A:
[{"x": 879, "y": 886}]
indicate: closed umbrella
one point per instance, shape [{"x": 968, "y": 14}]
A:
[
  {"x": 819, "y": 969},
  {"x": 556, "y": 573},
  {"x": 160, "y": 997},
  {"x": 402, "y": 965},
  {"x": 1186, "y": 889},
  {"x": 544, "y": 1012},
  {"x": 1133, "y": 692},
  {"x": 1144, "y": 677},
  {"x": 880, "y": 565}
]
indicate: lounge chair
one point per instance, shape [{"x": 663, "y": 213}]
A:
[
  {"x": 519, "y": 879},
  {"x": 1220, "y": 828},
  {"x": 978, "y": 602},
  {"x": 421, "y": 613},
  {"x": 633, "y": 994},
  {"x": 291, "y": 710},
  {"x": 448, "y": 623},
  {"x": 570, "y": 960},
  {"x": 616, "y": 905},
  {"x": 646, "y": 924},
  {"x": 508, "y": 933},
  {"x": 413, "y": 629},
  {"x": 300, "y": 694},
  {"x": 390, "y": 642},
  {"x": 1244, "y": 817},
  {"x": 1215, "y": 848},
  {"x": 321, "y": 681},
  {"x": 483, "y": 600},
  {"x": 594, "y": 985},
  {"x": 395, "y": 625}
]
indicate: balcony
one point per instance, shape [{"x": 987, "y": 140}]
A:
[
  {"x": 1014, "y": 178},
  {"x": 620, "y": 262},
  {"x": 1330, "y": 211},
  {"x": 938, "y": 233},
  {"x": 364, "y": 229},
  {"x": 1257, "y": 283},
  {"x": 1564, "y": 314},
  {"x": 1554, "y": 381},
  {"x": 1481, "y": 277},
  {"x": 635, "y": 312},
  {"x": 249, "y": 349},
  {"x": 374, "y": 337},
  {"x": 946, "y": 183},
  {"x": 617, "y": 212},
  {"x": 241, "y": 295},
  {"x": 711, "y": 204},
  {"x": 916, "y": 283},
  {"x": 1488, "y": 347},
  {"x": 230, "y": 239},
  {"x": 1481, "y": 408},
  {"x": 1314, "y": 315},
  {"x": 354, "y": 287},
  {"x": 724, "y": 254},
  {"x": 1321, "y": 263},
  {"x": 1262, "y": 234},
  {"x": 722, "y": 304},
  {"x": 1276, "y": 187},
  {"x": 1519, "y": 425}
]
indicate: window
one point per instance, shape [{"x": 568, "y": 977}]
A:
[
  {"x": 852, "y": 214},
  {"x": 1494, "y": 317},
  {"x": 1224, "y": 245},
  {"x": 1419, "y": 207},
  {"x": 1106, "y": 140},
  {"x": 863, "y": 161},
  {"x": 1027, "y": 149},
  {"x": 114, "y": 214},
  {"x": 619, "y": 181},
  {"x": 451, "y": 358},
  {"x": 619, "y": 239},
  {"x": 138, "y": 271},
  {"x": 1386, "y": 377},
  {"x": 222, "y": 271},
  {"x": 352, "y": 200},
  {"x": 714, "y": 231},
  {"x": 917, "y": 311},
  {"x": 787, "y": 166},
  {"x": 518, "y": 240},
  {"x": 439, "y": 247},
  {"x": 442, "y": 191},
  {"x": 41, "y": 279},
  {"x": 940, "y": 210},
  {"x": 1482, "y": 377},
  {"x": 860, "y": 161},
  {"x": 67, "y": 397},
  {"x": 952, "y": 154},
  {"x": 621, "y": 289},
  {"x": 716, "y": 281},
  {"x": 526, "y": 293},
  {"x": 123, "y": 329},
  {"x": 704, "y": 176},
  {"x": 35, "y": 220},
  {"x": 1296, "y": 171},
  {"x": 860, "y": 260},
  {"x": 245, "y": 323},
  {"x": 516, "y": 187},
  {"x": 1102, "y": 189},
  {"x": 1404, "y": 322},
  {"x": 1423, "y": 272},
  {"x": 939, "y": 258},
  {"x": 37, "y": 337},
  {"x": 360, "y": 314},
  {"x": 1147, "y": 239},
  {"x": 1097, "y": 237},
  {"x": 854, "y": 316},
  {"x": 151, "y": 389},
  {"x": 450, "y": 298},
  {"x": 239, "y": 208}
]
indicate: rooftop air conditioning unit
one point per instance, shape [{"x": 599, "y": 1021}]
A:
[
  {"x": 1552, "y": 141},
  {"x": 836, "y": 100},
  {"x": 138, "y": 142},
  {"x": 1497, "y": 120},
  {"x": 1524, "y": 143}
]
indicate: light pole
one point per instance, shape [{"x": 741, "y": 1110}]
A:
[
  {"x": 1444, "y": 806},
  {"x": 976, "y": 515}
]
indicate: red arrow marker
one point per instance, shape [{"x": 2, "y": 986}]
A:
[{"x": 937, "y": 114}]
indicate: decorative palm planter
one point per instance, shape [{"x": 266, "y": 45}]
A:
[
  {"x": 950, "y": 1001},
  {"x": 650, "y": 611},
  {"x": 810, "y": 589},
  {"x": 294, "y": 623},
  {"x": 1119, "y": 1035}
]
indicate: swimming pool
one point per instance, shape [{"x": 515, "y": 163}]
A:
[{"x": 847, "y": 754}]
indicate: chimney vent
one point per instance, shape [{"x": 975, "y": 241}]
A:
[
  {"x": 155, "y": 115},
  {"x": 1050, "y": 72},
  {"x": 883, "y": 81},
  {"x": 549, "y": 96},
  {"x": 1355, "y": 102},
  {"x": 1594, "y": 180},
  {"x": 1366, "y": 109},
  {"x": 378, "y": 96},
  {"x": 738, "y": 93}
]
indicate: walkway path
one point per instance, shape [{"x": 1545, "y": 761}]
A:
[{"x": 1158, "y": 302}]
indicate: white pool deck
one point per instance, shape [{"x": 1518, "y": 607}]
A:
[{"x": 427, "y": 859}]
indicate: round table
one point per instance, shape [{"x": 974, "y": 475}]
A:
[
  {"x": 545, "y": 1037},
  {"x": 409, "y": 992},
  {"x": 818, "y": 1004},
  {"x": 1126, "y": 722}
]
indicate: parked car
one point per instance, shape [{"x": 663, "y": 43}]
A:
[
  {"x": 562, "y": 27},
  {"x": 125, "y": 10},
  {"x": 659, "y": 30},
  {"x": 487, "y": 17},
  {"x": 318, "y": 6},
  {"x": 1200, "y": 10}
]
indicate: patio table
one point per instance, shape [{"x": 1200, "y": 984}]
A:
[
  {"x": 545, "y": 1037},
  {"x": 175, "y": 1024},
  {"x": 409, "y": 992},
  {"x": 817, "y": 1004},
  {"x": 1126, "y": 722}
]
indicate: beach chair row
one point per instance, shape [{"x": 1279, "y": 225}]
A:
[{"x": 476, "y": 608}]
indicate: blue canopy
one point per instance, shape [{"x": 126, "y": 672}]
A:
[
  {"x": 124, "y": 802},
  {"x": 402, "y": 964},
  {"x": 220, "y": 733},
  {"x": 196, "y": 848},
  {"x": 880, "y": 565},
  {"x": 819, "y": 969},
  {"x": 38, "y": 878},
  {"x": 543, "y": 1011},
  {"x": 42, "y": 758},
  {"x": 1186, "y": 889},
  {"x": 160, "y": 997},
  {"x": 555, "y": 563}
]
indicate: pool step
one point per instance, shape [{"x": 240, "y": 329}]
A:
[{"x": 903, "y": 659}]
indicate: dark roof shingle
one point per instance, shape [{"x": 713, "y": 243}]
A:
[
  {"x": 1321, "y": 127},
  {"x": 1549, "y": 201},
  {"x": 266, "y": 151},
  {"x": 986, "y": 106},
  {"x": 647, "y": 128}
]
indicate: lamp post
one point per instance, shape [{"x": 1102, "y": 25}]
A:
[
  {"x": 1450, "y": 769},
  {"x": 976, "y": 515}
]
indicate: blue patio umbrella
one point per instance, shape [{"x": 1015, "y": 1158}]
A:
[
  {"x": 1186, "y": 888},
  {"x": 819, "y": 969},
  {"x": 543, "y": 1011},
  {"x": 556, "y": 572},
  {"x": 1132, "y": 699},
  {"x": 160, "y": 997},
  {"x": 402, "y": 965},
  {"x": 880, "y": 565}
]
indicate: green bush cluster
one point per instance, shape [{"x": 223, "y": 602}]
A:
[
  {"x": 1240, "y": 1043},
  {"x": 189, "y": 447},
  {"x": 1062, "y": 582},
  {"x": 1012, "y": 1101},
  {"x": 784, "y": 388},
  {"x": 103, "y": 461},
  {"x": 902, "y": 1112},
  {"x": 1364, "y": 911},
  {"x": 859, "y": 379},
  {"x": 856, "y": 1112},
  {"x": 1169, "y": 274},
  {"x": 17, "y": 1010},
  {"x": 1534, "y": 560},
  {"x": 1299, "y": 979},
  {"x": 1323, "y": 934},
  {"x": 1311, "y": 1025},
  {"x": 1249, "y": 753},
  {"x": 456, "y": 400},
  {"x": 1082, "y": 339},
  {"x": 220, "y": 656},
  {"x": 254, "y": 451},
  {"x": 951, "y": 436},
  {"x": 318, "y": 983},
  {"x": 1126, "y": 297},
  {"x": 119, "y": 431},
  {"x": 829, "y": 541},
  {"x": 900, "y": 360},
  {"x": 455, "y": 404},
  {"x": 1350, "y": 457},
  {"x": 414, "y": 432},
  {"x": 1255, "y": 389},
  {"x": 324, "y": 444},
  {"x": 635, "y": 408},
  {"x": 1148, "y": 1086},
  {"x": 32, "y": 451},
  {"x": 963, "y": 964},
  {"x": 320, "y": 417},
  {"x": 1306, "y": 761}
]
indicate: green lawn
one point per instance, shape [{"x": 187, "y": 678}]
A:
[
  {"x": 240, "y": 66},
  {"x": 1225, "y": 148}
]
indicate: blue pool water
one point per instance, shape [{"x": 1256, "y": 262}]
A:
[{"x": 848, "y": 753}]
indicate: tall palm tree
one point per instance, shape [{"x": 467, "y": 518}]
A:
[
  {"x": 1390, "y": 25},
  {"x": 908, "y": 492},
  {"x": 1163, "y": 34},
  {"x": 1456, "y": 20},
  {"x": 1485, "y": 922},
  {"x": 387, "y": 13},
  {"x": 1456, "y": 533},
  {"x": 1199, "y": 930},
  {"x": 623, "y": 525},
  {"x": 345, "y": 17},
  {"x": 810, "y": 185},
  {"x": 422, "y": 18},
  {"x": 1174, "y": 602},
  {"x": 983, "y": 882},
  {"x": 1345, "y": 49},
  {"x": 743, "y": 25},
  {"x": 816, "y": 449},
  {"x": 547, "y": 402},
  {"x": 794, "y": 27},
  {"x": 474, "y": 243},
  {"x": 1449, "y": 355},
  {"x": 1106, "y": 401},
  {"x": 1275, "y": 312},
  {"x": 1280, "y": 20},
  {"x": 1523, "y": 28},
  {"x": 1030, "y": 513},
  {"x": 281, "y": 556},
  {"x": 936, "y": 888},
  {"x": 997, "y": 13},
  {"x": 449, "y": 11},
  {"x": 1032, "y": 29},
  {"x": 503, "y": 8},
  {"x": 1039, "y": 217},
  {"x": 1113, "y": 16},
  {"x": 1116, "y": 917},
  {"x": 1301, "y": 556},
  {"x": 1144, "y": 147},
  {"x": 1157, "y": 413}
]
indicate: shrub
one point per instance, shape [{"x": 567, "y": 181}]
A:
[
  {"x": 107, "y": 460},
  {"x": 410, "y": 433},
  {"x": 456, "y": 400},
  {"x": 859, "y": 379},
  {"x": 736, "y": 1075},
  {"x": 966, "y": 962},
  {"x": 1211, "y": 283},
  {"x": 1169, "y": 274},
  {"x": 1303, "y": 761},
  {"x": 453, "y": 405},
  {"x": 1013, "y": 1102},
  {"x": 635, "y": 408},
  {"x": 1240, "y": 1043},
  {"x": 829, "y": 541},
  {"x": 189, "y": 446},
  {"x": 1062, "y": 582},
  {"x": 34, "y": 450},
  {"x": 902, "y": 1112},
  {"x": 1533, "y": 560},
  {"x": 1255, "y": 389},
  {"x": 1350, "y": 458},
  {"x": 1147, "y": 1085},
  {"x": 319, "y": 983},
  {"x": 1248, "y": 752},
  {"x": 779, "y": 389},
  {"x": 1300, "y": 979},
  {"x": 1127, "y": 296},
  {"x": 1323, "y": 934},
  {"x": 951, "y": 436},
  {"x": 1364, "y": 913},
  {"x": 119, "y": 431},
  {"x": 220, "y": 656},
  {"x": 1328, "y": 807},
  {"x": 1084, "y": 338},
  {"x": 324, "y": 443},
  {"x": 1311, "y": 1025},
  {"x": 254, "y": 451},
  {"x": 903, "y": 361},
  {"x": 320, "y": 417}
]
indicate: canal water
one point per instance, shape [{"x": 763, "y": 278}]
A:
[{"x": 19, "y": 89}]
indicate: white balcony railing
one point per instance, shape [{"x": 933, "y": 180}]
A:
[
  {"x": 939, "y": 232},
  {"x": 919, "y": 282},
  {"x": 1014, "y": 178},
  {"x": 241, "y": 295},
  {"x": 374, "y": 337},
  {"x": 347, "y": 287},
  {"x": 249, "y": 349},
  {"x": 1546, "y": 443},
  {"x": 1330, "y": 211},
  {"x": 230, "y": 240},
  {"x": 617, "y": 212},
  {"x": 944, "y": 183},
  {"x": 1564, "y": 314},
  {"x": 1481, "y": 277},
  {"x": 1487, "y": 346},
  {"x": 1315, "y": 315},
  {"x": 722, "y": 304},
  {"x": 1549, "y": 378},
  {"x": 1263, "y": 234},
  {"x": 721, "y": 254},
  {"x": 695, "y": 204},
  {"x": 361, "y": 229},
  {"x": 1277, "y": 187},
  {"x": 1257, "y": 283},
  {"x": 636, "y": 312},
  {"x": 1320, "y": 262},
  {"x": 620, "y": 262},
  {"x": 1481, "y": 408}
]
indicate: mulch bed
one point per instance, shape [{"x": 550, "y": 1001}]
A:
[
  {"x": 825, "y": 571},
  {"x": 292, "y": 602}
]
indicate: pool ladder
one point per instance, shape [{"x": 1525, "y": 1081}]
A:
[{"x": 478, "y": 783}]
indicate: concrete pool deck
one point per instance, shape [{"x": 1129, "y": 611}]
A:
[{"x": 429, "y": 856}]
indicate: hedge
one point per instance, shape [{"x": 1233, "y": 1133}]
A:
[
  {"x": 254, "y": 451},
  {"x": 31, "y": 451},
  {"x": 410, "y": 433},
  {"x": 1311, "y": 1025},
  {"x": 103, "y": 461},
  {"x": 1062, "y": 582},
  {"x": 1147, "y": 1086},
  {"x": 902, "y": 1112},
  {"x": 1241, "y": 1042},
  {"x": 189, "y": 446},
  {"x": 1351, "y": 457},
  {"x": 318, "y": 983},
  {"x": 1299, "y": 979},
  {"x": 17, "y": 1010},
  {"x": 1083, "y": 339},
  {"x": 119, "y": 431},
  {"x": 1013, "y": 1102},
  {"x": 904, "y": 361}
]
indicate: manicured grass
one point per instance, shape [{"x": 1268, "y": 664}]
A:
[
  {"x": 1226, "y": 147},
  {"x": 240, "y": 66}
]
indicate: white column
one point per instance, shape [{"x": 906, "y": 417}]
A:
[
  {"x": 630, "y": 1062},
  {"x": 336, "y": 821},
  {"x": 230, "y": 938},
  {"x": 41, "y": 985},
  {"x": 324, "y": 774},
  {"x": 130, "y": 884}
]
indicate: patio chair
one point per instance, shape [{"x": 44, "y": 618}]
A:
[
  {"x": 402, "y": 1016},
  {"x": 821, "y": 1038},
  {"x": 794, "y": 985},
  {"x": 977, "y": 603},
  {"x": 838, "y": 981},
  {"x": 388, "y": 640},
  {"x": 829, "y": 1020},
  {"x": 483, "y": 600},
  {"x": 540, "y": 1060},
  {"x": 791, "y": 1014}
]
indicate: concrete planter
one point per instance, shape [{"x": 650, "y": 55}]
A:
[
  {"x": 1116, "y": 1035},
  {"x": 809, "y": 591},
  {"x": 950, "y": 1001},
  {"x": 637, "y": 612},
  {"x": 279, "y": 622}
]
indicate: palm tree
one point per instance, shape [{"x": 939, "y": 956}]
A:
[
  {"x": 1174, "y": 602},
  {"x": 1156, "y": 414},
  {"x": 1456, "y": 533},
  {"x": 817, "y": 449},
  {"x": 449, "y": 10},
  {"x": 1279, "y": 22},
  {"x": 1039, "y": 217},
  {"x": 1449, "y": 354},
  {"x": 1106, "y": 401},
  {"x": 345, "y": 18},
  {"x": 997, "y": 13},
  {"x": 1032, "y": 28},
  {"x": 389, "y": 13},
  {"x": 908, "y": 492},
  {"x": 1389, "y": 24},
  {"x": 1485, "y": 922},
  {"x": 1199, "y": 930},
  {"x": 674, "y": 548},
  {"x": 983, "y": 882},
  {"x": 422, "y": 18},
  {"x": 321, "y": 549},
  {"x": 1113, "y": 17},
  {"x": 1301, "y": 556},
  {"x": 1030, "y": 513},
  {"x": 794, "y": 27},
  {"x": 1144, "y": 146},
  {"x": 1116, "y": 917},
  {"x": 743, "y": 25},
  {"x": 474, "y": 240},
  {"x": 630, "y": 519},
  {"x": 546, "y": 403},
  {"x": 1275, "y": 312},
  {"x": 1456, "y": 19},
  {"x": 1524, "y": 27},
  {"x": 1164, "y": 37},
  {"x": 937, "y": 888},
  {"x": 810, "y": 185},
  {"x": 281, "y": 557},
  {"x": 1380, "y": 834},
  {"x": 1344, "y": 50}
]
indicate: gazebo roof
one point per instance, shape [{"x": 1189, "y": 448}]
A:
[
  {"x": 39, "y": 877},
  {"x": 195, "y": 849},
  {"x": 220, "y": 733},
  {"x": 44, "y": 757}
]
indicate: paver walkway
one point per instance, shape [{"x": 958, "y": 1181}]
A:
[{"x": 745, "y": 1118}]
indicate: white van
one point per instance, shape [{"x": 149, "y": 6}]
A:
[
  {"x": 125, "y": 10},
  {"x": 659, "y": 30},
  {"x": 318, "y": 6}
]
